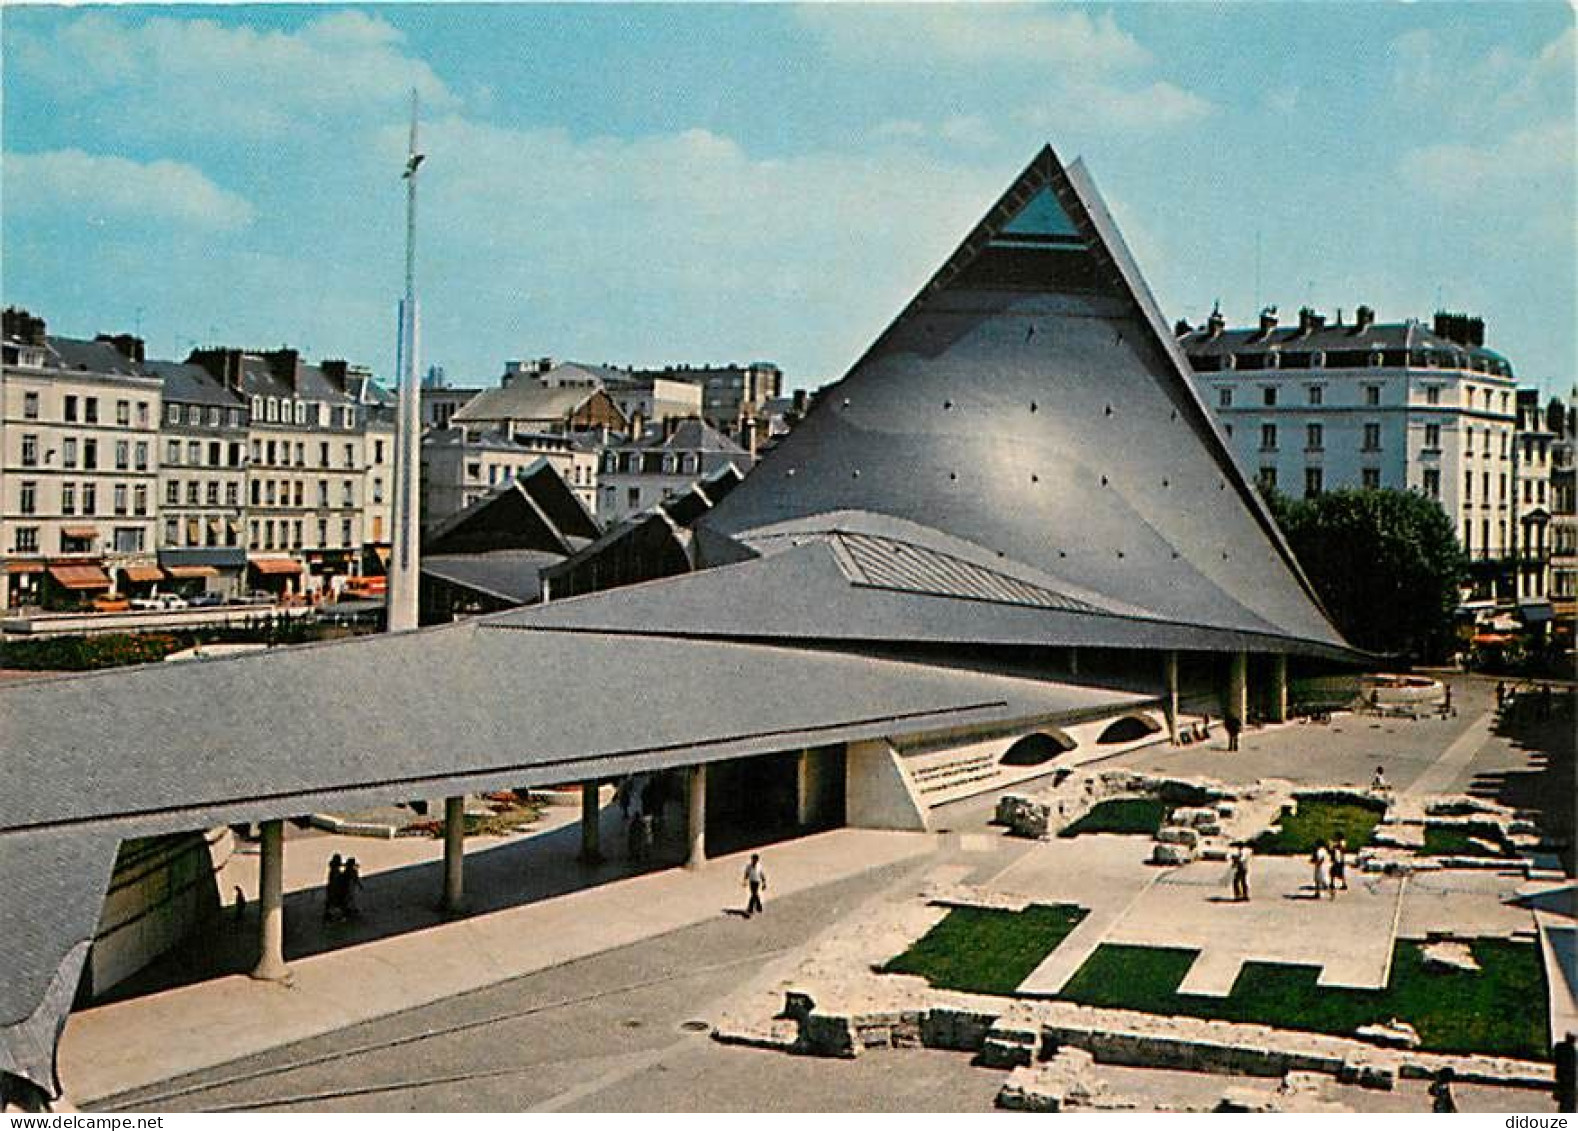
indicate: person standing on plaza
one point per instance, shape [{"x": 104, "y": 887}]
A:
[
  {"x": 1239, "y": 865},
  {"x": 333, "y": 888},
  {"x": 1441, "y": 1100},
  {"x": 1233, "y": 725},
  {"x": 350, "y": 884},
  {"x": 1379, "y": 784},
  {"x": 1339, "y": 865},
  {"x": 1322, "y": 862},
  {"x": 756, "y": 879},
  {"x": 1567, "y": 1074}
]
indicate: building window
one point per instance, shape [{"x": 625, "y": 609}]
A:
[
  {"x": 378, "y": 490},
  {"x": 194, "y": 493},
  {"x": 172, "y": 452},
  {"x": 257, "y": 491},
  {"x": 1372, "y": 437},
  {"x": 232, "y": 494},
  {"x": 350, "y": 455},
  {"x": 297, "y": 493},
  {"x": 29, "y": 451},
  {"x": 633, "y": 498},
  {"x": 140, "y": 500},
  {"x": 27, "y": 539},
  {"x": 348, "y": 494},
  {"x": 257, "y": 414},
  {"x": 1468, "y": 486},
  {"x": 90, "y": 410},
  {"x": 214, "y": 453},
  {"x": 140, "y": 455},
  {"x": 1313, "y": 480},
  {"x": 90, "y": 499},
  {"x": 1433, "y": 437},
  {"x": 1314, "y": 437},
  {"x": 235, "y": 453},
  {"x": 194, "y": 452},
  {"x": 323, "y": 532},
  {"x": 271, "y": 409},
  {"x": 1268, "y": 437},
  {"x": 123, "y": 413},
  {"x": 1501, "y": 488},
  {"x": 1432, "y": 394},
  {"x": 1268, "y": 396},
  {"x": 212, "y": 493},
  {"x": 30, "y": 406},
  {"x": 1486, "y": 448},
  {"x": 301, "y": 412},
  {"x": 122, "y": 455},
  {"x": 68, "y": 498},
  {"x": 172, "y": 532},
  {"x": 68, "y": 452},
  {"x": 301, "y": 454},
  {"x": 69, "y": 412},
  {"x": 346, "y": 532},
  {"x": 378, "y": 451},
  {"x": 1268, "y": 478},
  {"x": 27, "y": 502},
  {"x": 323, "y": 492},
  {"x": 1372, "y": 395},
  {"x": 1370, "y": 478},
  {"x": 233, "y": 417},
  {"x": 90, "y": 455},
  {"x": 1317, "y": 394},
  {"x": 172, "y": 493},
  {"x": 194, "y": 414},
  {"x": 120, "y": 498}
]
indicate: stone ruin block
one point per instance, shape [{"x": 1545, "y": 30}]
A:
[
  {"x": 1171, "y": 854},
  {"x": 1177, "y": 834},
  {"x": 1449, "y": 956},
  {"x": 1394, "y": 1034},
  {"x": 1009, "y": 1047},
  {"x": 1368, "y": 1074},
  {"x": 829, "y": 1034},
  {"x": 961, "y": 1030},
  {"x": 1194, "y": 817}
]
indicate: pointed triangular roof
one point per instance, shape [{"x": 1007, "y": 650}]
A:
[
  {"x": 536, "y": 510},
  {"x": 1031, "y": 400}
]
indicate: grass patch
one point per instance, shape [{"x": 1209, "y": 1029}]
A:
[
  {"x": 1498, "y": 1010},
  {"x": 1458, "y": 840},
  {"x": 982, "y": 950},
  {"x": 1121, "y": 815},
  {"x": 1313, "y": 820}
]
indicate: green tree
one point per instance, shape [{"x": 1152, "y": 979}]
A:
[{"x": 1386, "y": 563}]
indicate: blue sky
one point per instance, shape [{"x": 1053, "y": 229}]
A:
[{"x": 697, "y": 183}]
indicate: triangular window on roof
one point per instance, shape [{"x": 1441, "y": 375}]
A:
[{"x": 1041, "y": 220}]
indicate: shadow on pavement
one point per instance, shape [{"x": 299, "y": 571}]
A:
[{"x": 1549, "y": 786}]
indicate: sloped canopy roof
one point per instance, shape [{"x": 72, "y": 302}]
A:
[
  {"x": 1031, "y": 400},
  {"x": 536, "y": 510}
]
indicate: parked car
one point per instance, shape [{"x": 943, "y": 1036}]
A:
[
  {"x": 110, "y": 603},
  {"x": 146, "y": 603},
  {"x": 205, "y": 600},
  {"x": 172, "y": 601}
]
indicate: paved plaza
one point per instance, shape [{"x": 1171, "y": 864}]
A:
[{"x": 572, "y": 987}]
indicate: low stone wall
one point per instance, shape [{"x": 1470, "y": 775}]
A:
[{"x": 1017, "y": 1034}]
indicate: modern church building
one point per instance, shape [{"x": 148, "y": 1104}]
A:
[{"x": 1012, "y": 539}]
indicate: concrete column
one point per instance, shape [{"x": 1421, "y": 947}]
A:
[
  {"x": 454, "y": 855},
  {"x": 1170, "y": 686},
  {"x": 1073, "y": 661},
  {"x": 696, "y": 818},
  {"x": 805, "y": 789},
  {"x": 1237, "y": 704},
  {"x": 271, "y": 904},
  {"x": 1279, "y": 688},
  {"x": 591, "y": 818}
]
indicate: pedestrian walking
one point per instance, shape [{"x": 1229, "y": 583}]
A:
[
  {"x": 1501, "y": 693},
  {"x": 1233, "y": 725},
  {"x": 1567, "y": 1074},
  {"x": 1441, "y": 1100},
  {"x": 756, "y": 879},
  {"x": 1239, "y": 866},
  {"x": 1339, "y": 865},
  {"x": 1446, "y": 704},
  {"x": 1322, "y": 862},
  {"x": 1379, "y": 784},
  {"x": 333, "y": 888},
  {"x": 350, "y": 884}
]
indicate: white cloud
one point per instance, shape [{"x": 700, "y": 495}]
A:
[
  {"x": 198, "y": 76},
  {"x": 1093, "y": 105},
  {"x": 98, "y": 189},
  {"x": 976, "y": 33},
  {"x": 1462, "y": 83}
]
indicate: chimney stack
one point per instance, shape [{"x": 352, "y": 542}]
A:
[
  {"x": 1363, "y": 318},
  {"x": 24, "y": 327},
  {"x": 224, "y": 365},
  {"x": 1268, "y": 320},
  {"x": 285, "y": 364},
  {"x": 128, "y": 346},
  {"x": 1215, "y": 324}
]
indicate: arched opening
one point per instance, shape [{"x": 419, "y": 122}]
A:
[
  {"x": 1034, "y": 749},
  {"x": 1130, "y": 728}
]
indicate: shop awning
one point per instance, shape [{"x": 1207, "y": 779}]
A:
[
  {"x": 24, "y": 567},
  {"x": 143, "y": 573},
  {"x": 1536, "y": 612},
  {"x": 183, "y": 573},
  {"x": 80, "y": 576},
  {"x": 275, "y": 565},
  {"x": 80, "y": 531}
]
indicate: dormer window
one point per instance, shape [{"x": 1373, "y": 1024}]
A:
[
  {"x": 257, "y": 408},
  {"x": 1376, "y": 359},
  {"x": 272, "y": 412},
  {"x": 301, "y": 412}
]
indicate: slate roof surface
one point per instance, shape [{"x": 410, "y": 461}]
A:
[
  {"x": 509, "y": 575},
  {"x": 192, "y": 384},
  {"x": 524, "y": 399},
  {"x": 1032, "y": 400},
  {"x": 93, "y": 357}
]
